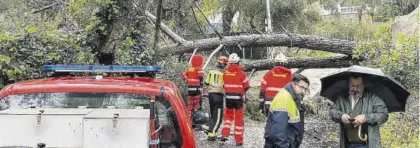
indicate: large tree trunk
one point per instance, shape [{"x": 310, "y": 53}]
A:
[
  {"x": 301, "y": 41},
  {"x": 291, "y": 40},
  {"x": 113, "y": 29},
  {"x": 337, "y": 61},
  {"x": 228, "y": 13},
  {"x": 227, "y": 16},
  {"x": 180, "y": 19}
]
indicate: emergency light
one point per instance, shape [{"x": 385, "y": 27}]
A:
[{"x": 100, "y": 68}]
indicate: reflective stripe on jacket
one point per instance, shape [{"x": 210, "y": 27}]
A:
[
  {"x": 284, "y": 126},
  {"x": 193, "y": 76},
  {"x": 274, "y": 80},
  {"x": 235, "y": 80},
  {"x": 214, "y": 80}
]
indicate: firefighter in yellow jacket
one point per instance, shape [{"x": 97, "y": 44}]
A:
[{"x": 214, "y": 83}]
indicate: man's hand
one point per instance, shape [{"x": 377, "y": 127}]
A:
[
  {"x": 345, "y": 119},
  {"x": 359, "y": 119}
]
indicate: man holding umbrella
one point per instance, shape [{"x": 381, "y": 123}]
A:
[{"x": 363, "y": 97}]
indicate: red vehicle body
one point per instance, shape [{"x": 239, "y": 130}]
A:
[{"x": 130, "y": 85}]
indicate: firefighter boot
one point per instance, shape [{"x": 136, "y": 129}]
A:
[{"x": 211, "y": 136}]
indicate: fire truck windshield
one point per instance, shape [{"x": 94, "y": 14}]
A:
[{"x": 76, "y": 100}]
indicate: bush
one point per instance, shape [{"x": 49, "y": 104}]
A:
[
  {"x": 345, "y": 29},
  {"x": 252, "y": 105},
  {"x": 23, "y": 53},
  {"x": 398, "y": 60},
  {"x": 393, "y": 134},
  {"x": 402, "y": 129}
]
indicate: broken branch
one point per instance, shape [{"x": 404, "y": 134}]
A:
[
  {"x": 251, "y": 74},
  {"x": 46, "y": 7},
  {"x": 304, "y": 62},
  {"x": 174, "y": 37},
  {"x": 212, "y": 54}
]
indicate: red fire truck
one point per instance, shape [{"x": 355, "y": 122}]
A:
[{"x": 107, "y": 107}]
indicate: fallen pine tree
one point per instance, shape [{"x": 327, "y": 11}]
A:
[
  {"x": 344, "y": 47},
  {"x": 337, "y": 61}
]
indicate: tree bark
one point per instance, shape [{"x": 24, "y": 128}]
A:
[
  {"x": 157, "y": 25},
  {"x": 229, "y": 10},
  {"x": 181, "y": 15},
  {"x": 304, "y": 62},
  {"x": 196, "y": 21},
  {"x": 227, "y": 16},
  {"x": 301, "y": 41},
  {"x": 115, "y": 18}
]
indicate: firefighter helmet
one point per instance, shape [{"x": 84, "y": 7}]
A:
[
  {"x": 197, "y": 60},
  {"x": 280, "y": 58},
  {"x": 222, "y": 60},
  {"x": 234, "y": 58}
]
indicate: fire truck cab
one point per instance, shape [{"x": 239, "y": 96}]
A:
[{"x": 132, "y": 110}]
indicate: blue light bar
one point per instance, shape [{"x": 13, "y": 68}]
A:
[{"x": 98, "y": 68}]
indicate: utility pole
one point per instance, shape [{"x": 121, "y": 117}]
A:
[{"x": 268, "y": 27}]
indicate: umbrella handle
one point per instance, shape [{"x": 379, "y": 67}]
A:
[{"x": 364, "y": 139}]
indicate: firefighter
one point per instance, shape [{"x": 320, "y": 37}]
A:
[
  {"x": 273, "y": 81},
  {"x": 235, "y": 86},
  {"x": 214, "y": 83},
  {"x": 194, "y": 77}
]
